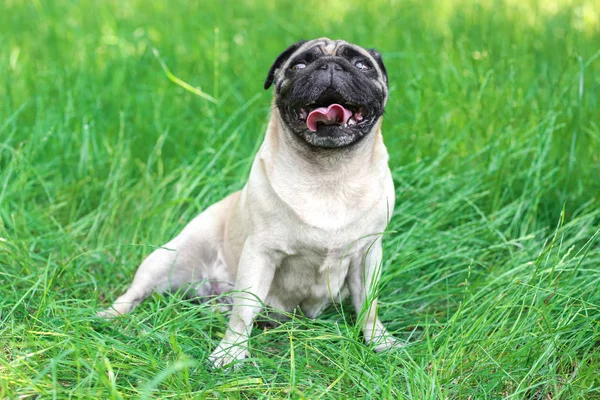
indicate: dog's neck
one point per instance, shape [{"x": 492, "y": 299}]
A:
[{"x": 327, "y": 189}]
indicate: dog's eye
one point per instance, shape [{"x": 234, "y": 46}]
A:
[
  {"x": 298, "y": 66},
  {"x": 362, "y": 65}
]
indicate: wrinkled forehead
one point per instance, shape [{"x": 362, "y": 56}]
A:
[{"x": 327, "y": 47}]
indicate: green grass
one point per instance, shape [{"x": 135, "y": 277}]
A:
[{"x": 492, "y": 270}]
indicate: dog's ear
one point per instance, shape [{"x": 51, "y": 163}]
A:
[
  {"x": 282, "y": 58},
  {"x": 377, "y": 56}
]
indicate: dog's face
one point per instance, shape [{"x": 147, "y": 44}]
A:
[{"x": 329, "y": 93}]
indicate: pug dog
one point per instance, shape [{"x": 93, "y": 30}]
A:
[{"x": 306, "y": 229}]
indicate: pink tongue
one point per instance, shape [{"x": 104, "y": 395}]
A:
[{"x": 332, "y": 115}]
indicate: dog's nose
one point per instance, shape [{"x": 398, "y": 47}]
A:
[{"x": 331, "y": 65}]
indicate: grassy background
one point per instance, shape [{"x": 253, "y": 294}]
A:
[{"x": 492, "y": 263}]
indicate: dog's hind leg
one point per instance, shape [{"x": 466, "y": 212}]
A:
[
  {"x": 162, "y": 270},
  {"x": 193, "y": 260}
]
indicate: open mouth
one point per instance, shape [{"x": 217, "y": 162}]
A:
[{"x": 331, "y": 111}]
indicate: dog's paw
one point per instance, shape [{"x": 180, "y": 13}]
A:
[
  {"x": 226, "y": 354},
  {"x": 118, "y": 308},
  {"x": 109, "y": 313},
  {"x": 388, "y": 342}
]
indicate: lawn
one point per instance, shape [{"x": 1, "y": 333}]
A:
[{"x": 492, "y": 259}]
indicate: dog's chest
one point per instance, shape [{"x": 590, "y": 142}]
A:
[
  {"x": 315, "y": 255},
  {"x": 335, "y": 211},
  {"x": 311, "y": 278},
  {"x": 319, "y": 259},
  {"x": 315, "y": 269}
]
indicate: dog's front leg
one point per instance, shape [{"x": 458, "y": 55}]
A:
[
  {"x": 254, "y": 276},
  {"x": 363, "y": 280}
]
